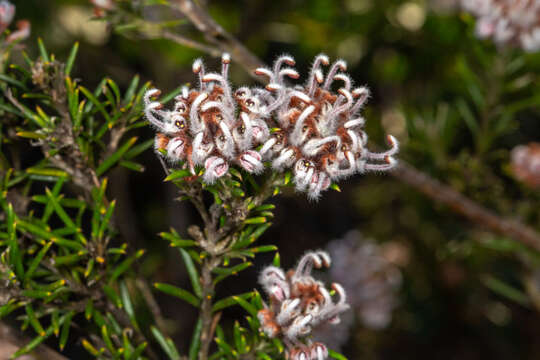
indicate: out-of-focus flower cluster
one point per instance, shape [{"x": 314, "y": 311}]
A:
[
  {"x": 102, "y": 6},
  {"x": 298, "y": 304},
  {"x": 507, "y": 21},
  {"x": 526, "y": 163},
  {"x": 7, "y": 13},
  {"x": 310, "y": 129},
  {"x": 369, "y": 274}
]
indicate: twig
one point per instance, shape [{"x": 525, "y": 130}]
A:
[
  {"x": 182, "y": 40},
  {"x": 431, "y": 187},
  {"x": 465, "y": 206},
  {"x": 11, "y": 336},
  {"x": 215, "y": 34},
  {"x": 146, "y": 292},
  {"x": 404, "y": 172},
  {"x": 206, "y": 305}
]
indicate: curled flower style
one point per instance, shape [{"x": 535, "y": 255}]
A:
[
  {"x": 298, "y": 304},
  {"x": 526, "y": 163},
  {"x": 507, "y": 21},
  {"x": 320, "y": 132},
  {"x": 311, "y": 130}
]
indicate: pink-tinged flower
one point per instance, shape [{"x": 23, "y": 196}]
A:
[
  {"x": 368, "y": 272},
  {"x": 103, "y": 4},
  {"x": 515, "y": 22},
  {"x": 316, "y": 132},
  {"x": 22, "y": 32},
  {"x": 298, "y": 304},
  {"x": 7, "y": 12},
  {"x": 526, "y": 163}
]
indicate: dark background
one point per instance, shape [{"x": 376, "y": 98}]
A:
[{"x": 419, "y": 58}]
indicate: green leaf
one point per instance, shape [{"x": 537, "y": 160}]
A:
[
  {"x": 247, "y": 306},
  {"x": 43, "y": 51},
  {"x": 31, "y": 135},
  {"x": 105, "y": 221},
  {"x": 90, "y": 348},
  {"x": 255, "y": 220},
  {"x": 335, "y": 187},
  {"x": 15, "y": 256},
  {"x": 112, "y": 295},
  {"x": 69, "y": 259},
  {"x": 192, "y": 272},
  {"x": 240, "y": 338},
  {"x": 468, "y": 116},
  {"x": 226, "y": 272},
  {"x": 265, "y": 248},
  {"x": 34, "y": 320},
  {"x": 165, "y": 99},
  {"x": 96, "y": 102},
  {"x": 132, "y": 165},
  {"x": 130, "y": 92},
  {"x": 64, "y": 333},
  {"x": 195, "y": 340},
  {"x": 506, "y": 290},
  {"x": 125, "y": 265},
  {"x": 33, "y": 344},
  {"x": 127, "y": 304},
  {"x": 230, "y": 301},
  {"x": 47, "y": 172},
  {"x": 178, "y": 292},
  {"x": 226, "y": 347},
  {"x": 105, "y": 336},
  {"x": 166, "y": 344},
  {"x": 277, "y": 260},
  {"x": 36, "y": 261},
  {"x": 139, "y": 148},
  {"x": 71, "y": 58},
  {"x": 138, "y": 351},
  {"x": 115, "y": 157},
  {"x": 115, "y": 90},
  {"x": 12, "y": 81},
  {"x": 335, "y": 355},
  {"x": 263, "y": 356},
  {"x": 59, "y": 210},
  {"x": 177, "y": 175}
]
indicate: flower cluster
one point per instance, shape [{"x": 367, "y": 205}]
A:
[
  {"x": 315, "y": 132},
  {"x": 507, "y": 21},
  {"x": 372, "y": 292},
  {"x": 7, "y": 13},
  {"x": 297, "y": 304},
  {"x": 526, "y": 163}
]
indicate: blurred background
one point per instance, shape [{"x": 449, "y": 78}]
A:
[{"x": 424, "y": 282}]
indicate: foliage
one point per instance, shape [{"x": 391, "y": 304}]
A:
[{"x": 75, "y": 280}]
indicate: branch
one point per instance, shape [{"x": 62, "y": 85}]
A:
[
  {"x": 404, "y": 172},
  {"x": 13, "y": 340},
  {"x": 182, "y": 40},
  {"x": 215, "y": 34},
  {"x": 466, "y": 207}
]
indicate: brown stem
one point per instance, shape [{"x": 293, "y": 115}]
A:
[
  {"x": 12, "y": 340},
  {"x": 215, "y": 34},
  {"x": 459, "y": 203},
  {"x": 184, "y": 41},
  {"x": 71, "y": 159},
  {"x": 206, "y": 306}
]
